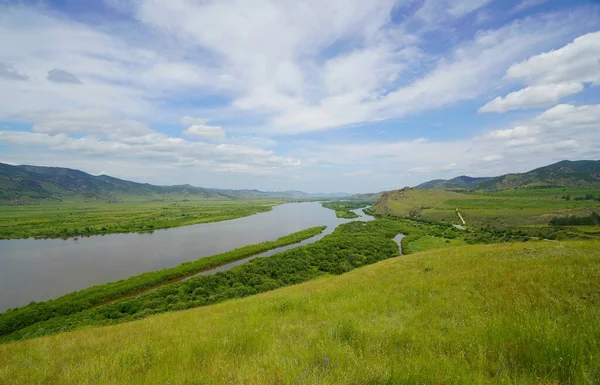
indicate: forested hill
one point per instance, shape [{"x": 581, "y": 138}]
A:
[
  {"x": 580, "y": 173},
  {"x": 26, "y": 184}
]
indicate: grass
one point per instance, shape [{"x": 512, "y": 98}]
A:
[
  {"x": 505, "y": 208},
  {"x": 84, "y": 219},
  {"x": 428, "y": 242},
  {"x": 511, "y": 313},
  {"x": 343, "y": 208}
]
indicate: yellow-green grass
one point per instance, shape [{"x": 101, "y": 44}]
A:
[
  {"x": 428, "y": 242},
  {"x": 499, "y": 209},
  {"x": 81, "y": 218},
  {"x": 512, "y": 313}
]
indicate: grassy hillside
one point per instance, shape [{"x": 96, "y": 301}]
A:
[
  {"x": 512, "y": 313},
  {"x": 502, "y": 208},
  {"x": 581, "y": 173}
]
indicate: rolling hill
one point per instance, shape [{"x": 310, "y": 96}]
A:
[
  {"x": 26, "y": 184},
  {"x": 509, "y": 313},
  {"x": 581, "y": 173}
]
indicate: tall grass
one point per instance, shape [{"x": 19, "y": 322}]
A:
[{"x": 515, "y": 313}]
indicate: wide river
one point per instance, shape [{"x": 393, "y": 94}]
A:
[{"x": 38, "y": 270}]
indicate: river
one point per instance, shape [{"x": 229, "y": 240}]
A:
[{"x": 41, "y": 269}]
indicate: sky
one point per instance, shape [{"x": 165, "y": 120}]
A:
[{"x": 320, "y": 96}]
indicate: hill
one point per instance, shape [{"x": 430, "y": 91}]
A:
[
  {"x": 508, "y": 313},
  {"x": 581, "y": 173},
  {"x": 25, "y": 184},
  {"x": 497, "y": 208}
]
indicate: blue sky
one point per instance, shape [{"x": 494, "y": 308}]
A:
[{"x": 321, "y": 96}]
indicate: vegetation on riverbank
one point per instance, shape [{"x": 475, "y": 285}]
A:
[
  {"x": 85, "y": 219},
  {"x": 351, "y": 245},
  {"x": 343, "y": 208},
  {"x": 508, "y": 313},
  {"x": 19, "y": 318}
]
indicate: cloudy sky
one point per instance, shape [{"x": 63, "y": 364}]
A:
[{"x": 336, "y": 95}]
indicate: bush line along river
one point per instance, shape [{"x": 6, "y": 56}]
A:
[{"x": 38, "y": 270}]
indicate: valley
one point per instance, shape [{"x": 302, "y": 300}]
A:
[{"x": 121, "y": 264}]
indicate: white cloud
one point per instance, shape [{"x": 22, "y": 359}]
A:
[
  {"x": 205, "y": 131},
  {"x": 199, "y": 128},
  {"x": 492, "y": 158},
  {"x": 326, "y": 65},
  {"x": 103, "y": 135},
  {"x": 575, "y": 62},
  {"x": 552, "y": 75},
  {"x": 541, "y": 140},
  {"x": 531, "y": 97},
  {"x": 513, "y": 133}
]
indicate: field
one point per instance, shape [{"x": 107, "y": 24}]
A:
[
  {"x": 427, "y": 242},
  {"x": 510, "y": 313},
  {"x": 82, "y": 219},
  {"x": 504, "y": 208}
]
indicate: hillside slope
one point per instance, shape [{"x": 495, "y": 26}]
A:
[
  {"x": 23, "y": 184},
  {"x": 498, "y": 208},
  {"x": 507, "y": 313},
  {"x": 581, "y": 173}
]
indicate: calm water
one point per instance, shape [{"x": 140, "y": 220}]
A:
[{"x": 37, "y": 270}]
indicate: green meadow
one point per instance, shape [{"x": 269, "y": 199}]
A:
[
  {"x": 524, "y": 313},
  {"x": 501, "y": 209},
  {"x": 77, "y": 218}
]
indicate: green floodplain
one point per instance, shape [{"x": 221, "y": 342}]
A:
[
  {"x": 80, "y": 218},
  {"x": 510, "y": 297}
]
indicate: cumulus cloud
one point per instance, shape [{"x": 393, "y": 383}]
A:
[
  {"x": 102, "y": 134},
  {"x": 326, "y": 65},
  {"x": 199, "y": 128},
  {"x": 205, "y": 131},
  {"x": 546, "y": 138},
  {"x": 9, "y": 73},
  {"x": 552, "y": 75},
  {"x": 62, "y": 76}
]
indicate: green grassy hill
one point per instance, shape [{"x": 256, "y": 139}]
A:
[
  {"x": 498, "y": 208},
  {"x": 581, "y": 173},
  {"x": 511, "y": 313}
]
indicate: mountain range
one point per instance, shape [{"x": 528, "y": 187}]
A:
[
  {"x": 25, "y": 184},
  {"x": 580, "y": 173}
]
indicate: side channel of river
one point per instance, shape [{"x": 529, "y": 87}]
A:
[{"x": 38, "y": 270}]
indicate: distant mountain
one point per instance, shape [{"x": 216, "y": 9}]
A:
[
  {"x": 580, "y": 173},
  {"x": 26, "y": 184}
]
